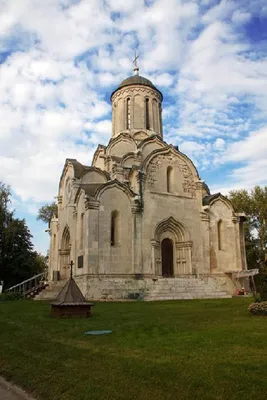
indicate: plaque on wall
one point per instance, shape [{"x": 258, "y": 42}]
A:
[{"x": 80, "y": 262}]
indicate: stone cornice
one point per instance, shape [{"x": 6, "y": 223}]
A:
[
  {"x": 131, "y": 90},
  {"x": 92, "y": 204}
]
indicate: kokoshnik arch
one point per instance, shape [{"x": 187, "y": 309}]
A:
[{"x": 140, "y": 219}]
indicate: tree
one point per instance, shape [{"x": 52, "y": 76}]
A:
[
  {"x": 18, "y": 260},
  {"x": 19, "y": 257},
  {"x": 254, "y": 205},
  {"x": 5, "y": 218},
  {"x": 46, "y": 212}
]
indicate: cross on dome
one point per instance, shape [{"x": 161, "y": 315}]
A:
[{"x": 136, "y": 68}]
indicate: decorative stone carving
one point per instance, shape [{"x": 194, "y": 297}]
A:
[
  {"x": 131, "y": 91},
  {"x": 155, "y": 166},
  {"x": 189, "y": 186}
]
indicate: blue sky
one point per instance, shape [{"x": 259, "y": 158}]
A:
[{"x": 61, "y": 59}]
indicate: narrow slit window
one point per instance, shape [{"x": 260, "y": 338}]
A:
[
  {"x": 128, "y": 114},
  {"x": 169, "y": 179},
  {"x": 114, "y": 228},
  {"x": 155, "y": 116},
  {"x": 220, "y": 235},
  {"x": 147, "y": 114}
]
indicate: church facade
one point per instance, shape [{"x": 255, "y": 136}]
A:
[{"x": 139, "y": 222}]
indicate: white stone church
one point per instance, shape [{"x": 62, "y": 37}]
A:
[{"x": 139, "y": 222}]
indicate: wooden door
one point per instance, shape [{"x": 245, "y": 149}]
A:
[{"x": 167, "y": 257}]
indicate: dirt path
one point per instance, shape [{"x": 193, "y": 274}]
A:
[{"x": 8, "y": 391}]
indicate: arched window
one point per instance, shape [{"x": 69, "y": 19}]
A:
[
  {"x": 147, "y": 113},
  {"x": 128, "y": 113},
  {"x": 114, "y": 229},
  {"x": 160, "y": 119},
  {"x": 169, "y": 179},
  {"x": 155, "y": 115},
  {"x": 81, "y": 230},
  {"x": 220, "y": 230}
]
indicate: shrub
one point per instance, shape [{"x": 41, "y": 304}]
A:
[
  {"x": 258, "y": 298},
  {"x": 258, "y": 308},
  {"x": 10, "y": 296}
]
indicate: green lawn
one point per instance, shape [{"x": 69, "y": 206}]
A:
[{"x": 199, "y": 349}]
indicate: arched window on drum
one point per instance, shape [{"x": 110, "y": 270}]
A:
[
  {"x": 128, "y": 113},
  {"x": 170, "y": 179},
  {"x": 147, "y": 113}
]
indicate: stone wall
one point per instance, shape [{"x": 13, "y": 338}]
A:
[
  {"x": 137, "y": 114},
  {"x": 128, "y": 288}
]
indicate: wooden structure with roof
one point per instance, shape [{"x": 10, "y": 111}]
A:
[{"x": 70, "y": 302}]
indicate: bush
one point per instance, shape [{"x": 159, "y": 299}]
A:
[
  {"x": 258, "y": 308},
  {"x": 261, "y": 283},
  {"x": 258, "y": 298},
  {"x": 10, "y": 296}
]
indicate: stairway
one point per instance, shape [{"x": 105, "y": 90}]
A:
[
  {"x": 29, "y": 288},
  {"x": 150, "y": 289},
  {"x": 186, "y": 288},
  {"x": 51, "y": 291}
]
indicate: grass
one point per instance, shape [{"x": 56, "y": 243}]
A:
[{"x": 199, "y": 349}]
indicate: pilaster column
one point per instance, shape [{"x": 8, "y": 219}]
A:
[
  {"x": 92, "y": 222},
  {"x": 156, "y": 258},
  {"x": 137, "y": 254},
  {"x": 183, "y": 258},
  {"x": 205, "y": 229}
]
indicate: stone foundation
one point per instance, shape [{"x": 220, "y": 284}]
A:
[
  {"x": 156, "y": 288},
  {"x": 147, "y": 288}
]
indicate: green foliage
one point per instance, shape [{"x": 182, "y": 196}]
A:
[
  {"x": 257, "y": 298},
  {"x": 46, "y": 212},
  {"x": 254, "y": 205},
  {"x": 261, "y": 283},
  {"x": 10, "y": 296},
  {"x": 18, "y": 260}
]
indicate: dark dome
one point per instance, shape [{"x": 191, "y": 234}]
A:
[{"x": 136, "y": 80}]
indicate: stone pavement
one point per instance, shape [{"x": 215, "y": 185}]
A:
[{"x": 8, "y": 391}]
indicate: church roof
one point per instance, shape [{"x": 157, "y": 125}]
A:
[
  {"x": 207, "y": 199},
  {"x": 136, "y": 80},
  {"x": 77, "y": 167},
  {"x": 70, "y": 294}
]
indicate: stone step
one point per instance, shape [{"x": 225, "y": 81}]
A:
[
  {"x": 51, "y": 291},
  {"x": 189, "y": 297}
]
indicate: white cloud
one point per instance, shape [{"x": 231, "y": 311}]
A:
[
  {"x": 253, "y": 147},
  {"x": 163, "y": 80},
  {"x": 219, "y": 144},
  {"x": 63, "y": 61},
  {"x": 240, "y": 17}
]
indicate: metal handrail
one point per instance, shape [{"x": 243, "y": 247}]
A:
[{"x": 29, "y": 285}]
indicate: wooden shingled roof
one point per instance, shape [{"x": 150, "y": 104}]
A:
[{"x": 70, "y": 294}]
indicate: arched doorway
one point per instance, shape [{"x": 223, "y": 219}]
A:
[{"x": 167, "y": 257}]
